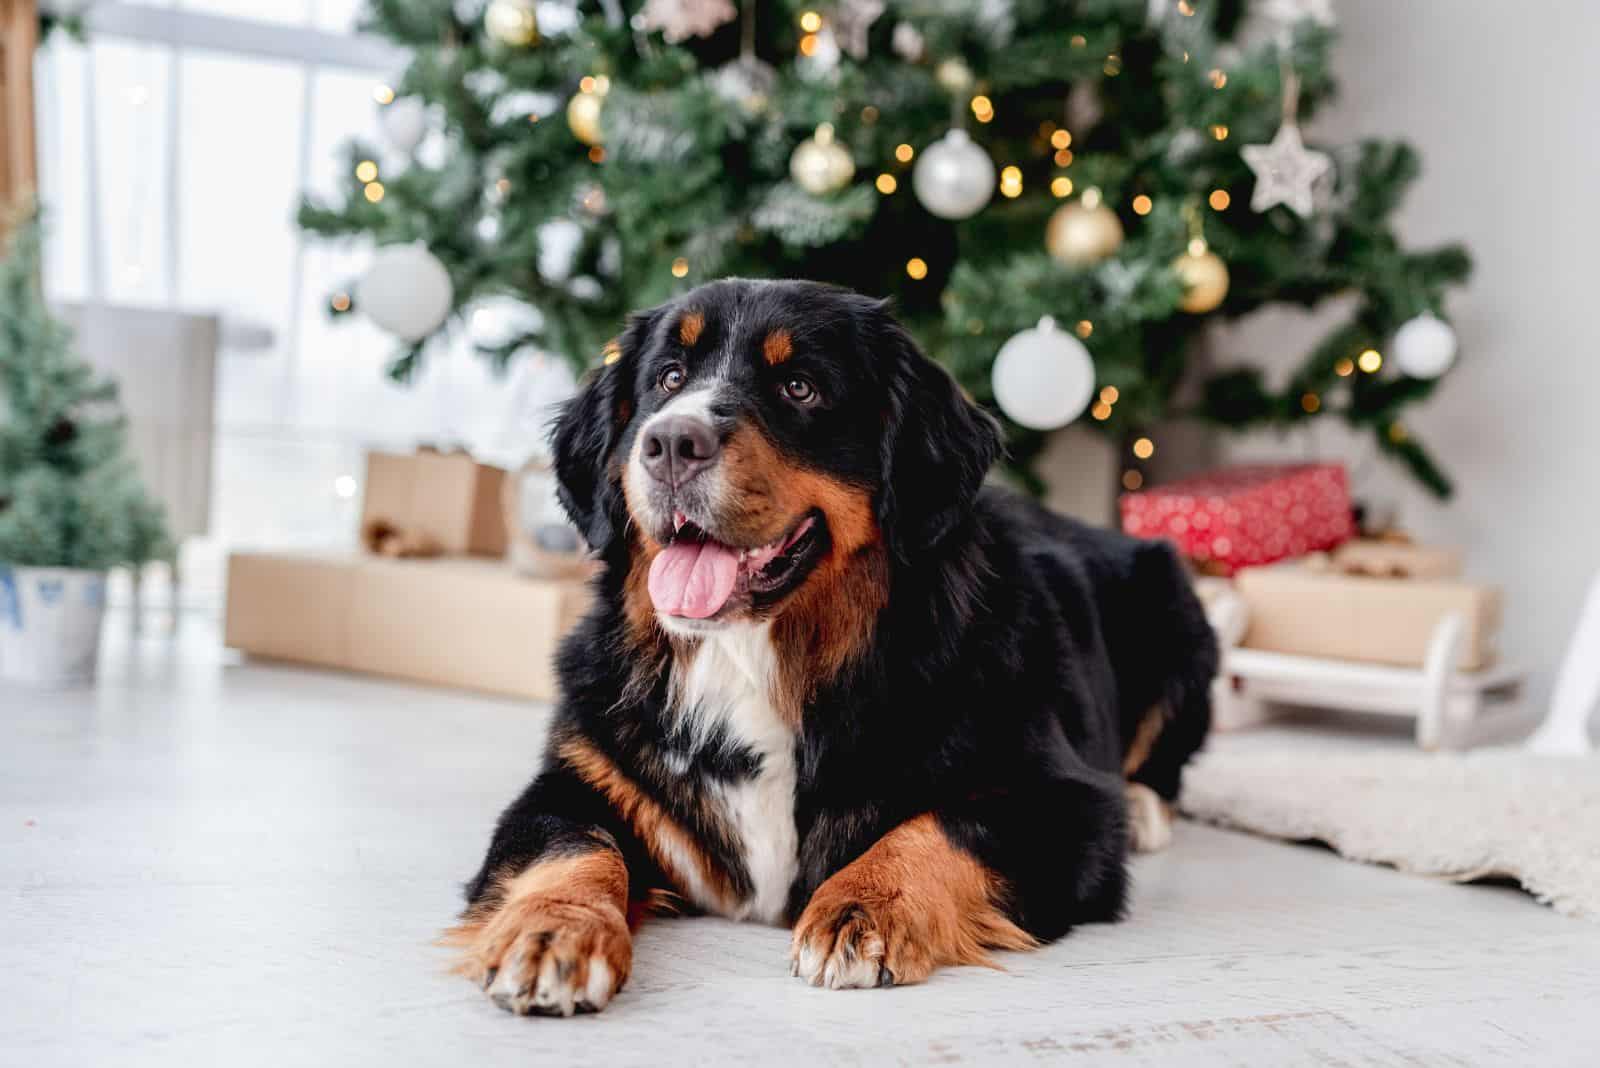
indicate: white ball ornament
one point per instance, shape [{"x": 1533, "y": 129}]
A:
[
  {"x": 406, "y": 291},
  {"x": 404, "y": 123},
  {"x": 954, "y": 178},
  {"x": 1424, "y": 347},
  {"x": 1043, "y": 377}
]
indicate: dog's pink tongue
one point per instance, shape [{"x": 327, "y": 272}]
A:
[{"x": 693, "y": 578}]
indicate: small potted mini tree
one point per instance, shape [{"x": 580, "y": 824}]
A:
[{"x": 71, "y": 503}]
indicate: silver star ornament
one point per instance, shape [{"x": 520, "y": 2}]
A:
[
  {"x": 853, "y": 20},
  {"x": 1285, "y": 170}
]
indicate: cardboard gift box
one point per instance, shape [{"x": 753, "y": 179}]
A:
[
  {"x": 1240, "y": 517},
  {"x": 1318, "y": 611},
  {"x": 444, "y": 498},
  {"x": 461, "y": 621}
]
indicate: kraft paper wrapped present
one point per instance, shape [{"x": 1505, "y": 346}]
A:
[
  {"x": 455, "y": 621},
  {"x": 1311, "y": 608},
  {"x": 444, "y": 500}
]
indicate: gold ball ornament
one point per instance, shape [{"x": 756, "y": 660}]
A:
[
  {"x": 1204, "y": 277},
  {"x": 512, "y": 22},
  {"x": 954, "y": 76},
  {"x": 1083, "y": 232},
  {"x": 820, "y": 165},
  {"x": 583, "y": 115}
]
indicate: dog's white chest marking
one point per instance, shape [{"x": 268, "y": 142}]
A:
[{"x": 729, "y": 685}]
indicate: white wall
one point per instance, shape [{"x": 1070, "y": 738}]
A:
[{"x": 1503, "y": 102}]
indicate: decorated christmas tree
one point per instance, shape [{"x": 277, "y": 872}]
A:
[
  {"x": 1077, "y": 187},
  {"x": 69, "y": 495}
]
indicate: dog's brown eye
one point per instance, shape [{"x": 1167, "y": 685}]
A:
[
  {"x": 672, "y": 379},
  {"x": 800, "y": 390}
]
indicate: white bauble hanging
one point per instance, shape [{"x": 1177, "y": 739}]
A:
[
  {"x": 747, "y": 82},
  {"x": 404, "y": 123},
  {"x": 406, "y": 291},
  {"x": 954, "y": 177},
  {"x": 1043, "y": 377},
  {"x": 1424, "y": 347}
]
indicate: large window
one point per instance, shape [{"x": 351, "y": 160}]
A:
[{"x": 174, "y": 146}]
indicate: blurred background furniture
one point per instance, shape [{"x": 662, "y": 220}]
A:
[
  {"x": 19, "y": 31},
  {"x": 164, "y": 363},
  {"x": 1565, "y": 730}
]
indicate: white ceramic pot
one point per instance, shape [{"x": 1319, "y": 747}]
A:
[{"x": 50, "y": 624}]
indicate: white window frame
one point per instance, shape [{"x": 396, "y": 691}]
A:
[{"x": 181, "y": 30}]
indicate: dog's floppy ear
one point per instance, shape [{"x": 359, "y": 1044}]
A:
[
  {"x": 937, "y": 447},
  {"x": 586, "y": 433}
]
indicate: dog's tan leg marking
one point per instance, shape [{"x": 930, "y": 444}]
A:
[
  {"x": 912, "y": 903},
  {"x": 555, "y": 939},
  {"x": 1144, "y": 740},
  {"x": 1149, "y": 819}
]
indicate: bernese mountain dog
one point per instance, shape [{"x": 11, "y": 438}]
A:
[{"x": 829, "y": 679}]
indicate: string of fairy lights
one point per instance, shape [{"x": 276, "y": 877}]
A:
[{"x": 1049, "y": 372}]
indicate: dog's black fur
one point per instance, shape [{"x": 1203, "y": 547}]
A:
[{"x": 999, "y": 687}]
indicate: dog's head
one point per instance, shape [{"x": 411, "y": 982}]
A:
[{"x": 749, "y": 435}]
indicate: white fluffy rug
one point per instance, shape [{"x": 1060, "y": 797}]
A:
[{"x": 1462, "y": 816}]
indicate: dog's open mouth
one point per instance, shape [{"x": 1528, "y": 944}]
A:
[{"x": 696, "y": 576}]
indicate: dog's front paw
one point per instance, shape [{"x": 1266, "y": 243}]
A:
[
  {"x": 847, "y": 944},
  {"x": 1149, "y": 819},
  {"x": 536, "y": 955}
]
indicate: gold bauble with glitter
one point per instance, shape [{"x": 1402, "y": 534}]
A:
[
  {"x": 512, "y": 22},
  {"x": 821, "y": 165},
  {"x": 583, "y": 114},
  {"x": 1084, "y": 232},
  {"x": 1204, "y": 277}
]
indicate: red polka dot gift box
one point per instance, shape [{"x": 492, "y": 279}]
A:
[{"x": 1238, "y": 517}]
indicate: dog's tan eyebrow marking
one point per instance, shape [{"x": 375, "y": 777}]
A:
[
  {"x": 690, "y": 327},
  {"x": 778, "y": 347}
]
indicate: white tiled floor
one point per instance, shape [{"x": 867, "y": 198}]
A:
[{"x": 207, "y": 862}]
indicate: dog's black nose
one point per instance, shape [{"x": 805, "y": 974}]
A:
[{"x": 679, "y": 447}]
